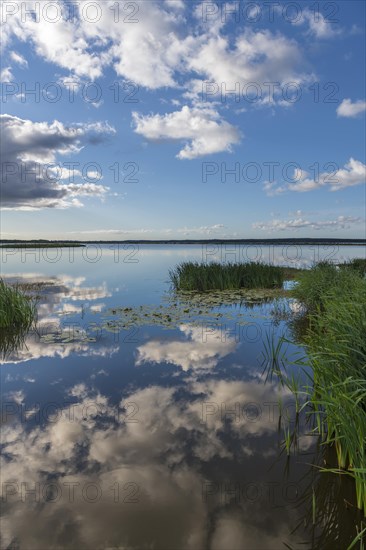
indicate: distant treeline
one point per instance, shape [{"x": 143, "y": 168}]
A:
[{"x": 294, "y": 241}]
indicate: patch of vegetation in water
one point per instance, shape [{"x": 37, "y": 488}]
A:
[
  {"x": 201, "y": 277},
  {"x": 166, "y": 316},
  {"x": 68, "y": 335},
  {"x": 17, "y": 310},
  {"x": 17, "y": 315},
  {"x": 326, "y": 280},
  {"x": 357, "y": 264},
  {"x": 191, "y": 307},
  {"x": 334, "y": 310}
]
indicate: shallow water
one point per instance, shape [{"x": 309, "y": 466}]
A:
[{"x": 133, "y": 421}]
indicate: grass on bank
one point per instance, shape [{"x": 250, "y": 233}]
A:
[
  {"x": 325, "y": 281},
  {"x": 201, "y": 277},
  {"x": 357, "y": 264},
  {"x": 335, "y": 301},
  {"x": 17, "y": 310}
]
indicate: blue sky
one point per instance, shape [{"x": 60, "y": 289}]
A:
[{"x": 175, "y": 154}]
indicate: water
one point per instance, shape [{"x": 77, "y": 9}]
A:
[{"x": 129, "y": 423}]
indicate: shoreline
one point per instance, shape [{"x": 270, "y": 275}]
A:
[{"x": 17, "y": 243}]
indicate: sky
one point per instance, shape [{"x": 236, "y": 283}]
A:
[{"x": 178, "y": 119}]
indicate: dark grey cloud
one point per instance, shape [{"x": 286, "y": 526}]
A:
[{"x": 30, "y": 175}]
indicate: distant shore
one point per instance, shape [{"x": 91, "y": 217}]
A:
[
  {"x": 43, "y": 243},
  {"x": 33, "y": 244}
]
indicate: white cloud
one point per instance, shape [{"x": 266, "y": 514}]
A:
[
  {"x": 19, "y": 59},
  {"x": 151, "y": 44},
  {"x": 17, "y": 396},
  {"x": 28, "y": 146},
  {"x": 204, "y": 128},
  {"x": 203, "y": 230},
  {"x": 257, "y": 57},
  {"x": 150, "y": 51},
  {"x": 140, "y": 40},
  {"x": 113, "y": 231},
  {"x": 351, "y": 110},
  {"x": 6, "y": 75},
  {"x": 59, "y": 41},
  {"x": 202, "y": 350},
  {"x": 158, "y": 233},
  {"x": 353, "y": 173},
  {"x": 169, "y": 452},
  {"x": 341, "y": 222},
  {"x": 175, "y": 4},
  {"x": 318, "y": 25}
]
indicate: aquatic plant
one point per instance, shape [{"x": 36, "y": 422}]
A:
[
  {"x": 203, "y": 277},
  {"x": 324, "y": 516},
  {"x": 357, "y": 264},
  {"x": 335, "y": 300},
  {"x": 17, "y": 316},
  {"x": 324, "y": 282},
  {"x": 17, "y": 310}
]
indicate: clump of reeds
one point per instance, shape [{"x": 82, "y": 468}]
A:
[
  {"x": 357, "y": 264},
  {"x": 17, "y": 310},
  {"x": 201, "y": 277},
  {"x": 325, "y": 281},
  {"x": 335, "y": 342}
]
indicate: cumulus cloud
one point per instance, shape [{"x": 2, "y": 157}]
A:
[
  {"x": 151, "y": 44},
  {"x": 351, "y": 109},
  {"x": 56, "y": 39},
  {"x": 341, "y": 222},
  {"x": 29, "y": 148},
  {"x": 203, "y": 128},
  {"x": 256, "y": 57},
  {"x": 169, "y": 451},
  {"x": 318, "y": 25},
  {"x": 353, "y": 173},
  {"x": 202, "y": 350},
  {"x": 153, "y": 51},
  {"x": 88, "y": 39}
]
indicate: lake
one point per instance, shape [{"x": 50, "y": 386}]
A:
[{"x": 135, "y": 419}]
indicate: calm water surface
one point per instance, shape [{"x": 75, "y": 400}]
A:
[{"x": 128, "y": 425}]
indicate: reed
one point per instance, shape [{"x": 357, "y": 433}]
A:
[
  {"x": 17, "y": 310},
  {"x": 201, "y": 277},
  {"x": 357, "y": 264},
  {"x": 335, "y": 300}
]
